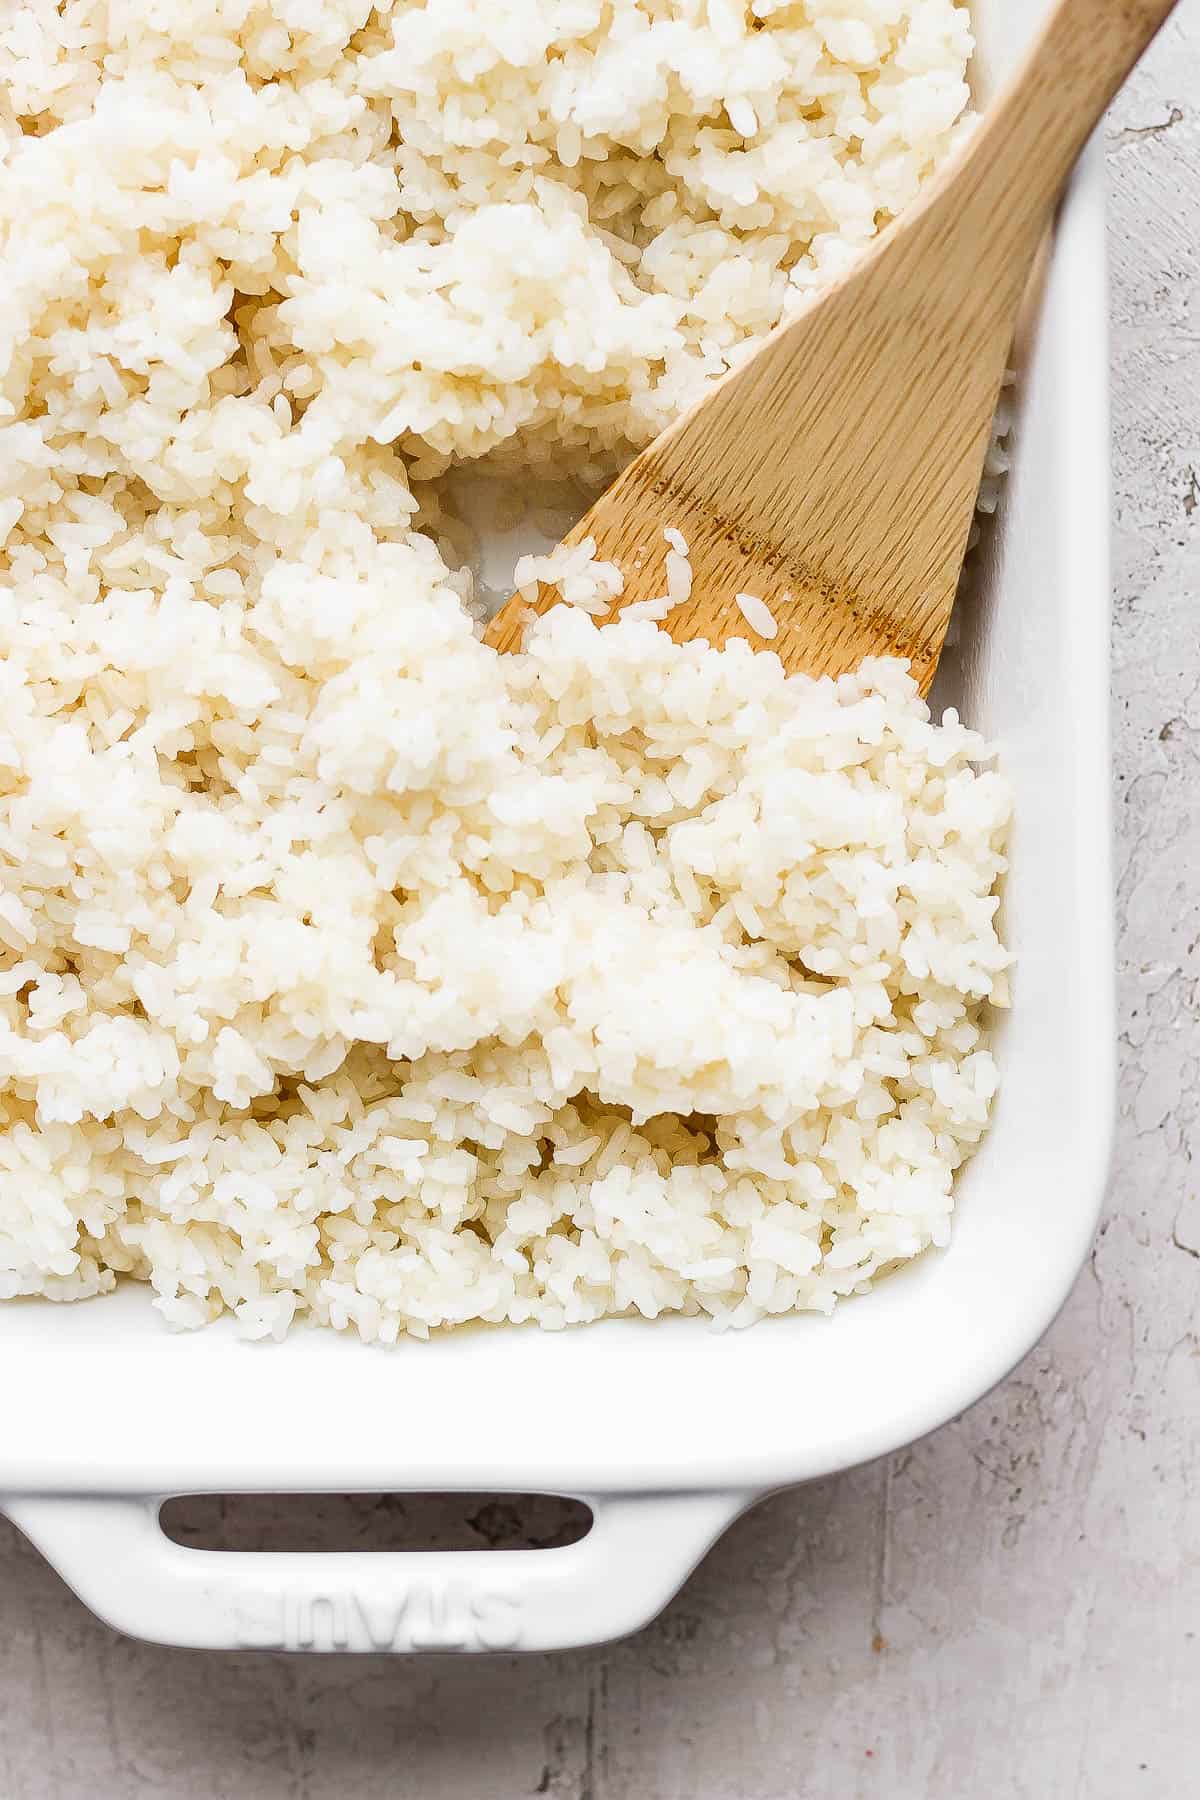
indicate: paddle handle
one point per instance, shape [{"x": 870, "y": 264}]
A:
[{"x": 992, "y": 204}]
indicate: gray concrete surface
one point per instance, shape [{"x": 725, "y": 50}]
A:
[{"x": 1011, "y": 1609}]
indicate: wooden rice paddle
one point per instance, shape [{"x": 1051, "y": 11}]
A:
[{"x": 833, "y": 473}]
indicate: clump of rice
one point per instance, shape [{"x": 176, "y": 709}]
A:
[
  {"x": 576, "y": 575},
  {"x": 347, "y": 971}
]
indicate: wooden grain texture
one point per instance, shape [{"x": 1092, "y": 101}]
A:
[{"x": 833, "y": 473}]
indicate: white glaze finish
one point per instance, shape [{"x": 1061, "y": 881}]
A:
[
  {"x": 1031, "y": 1575},
  {"x": 682, "y": 1427}
]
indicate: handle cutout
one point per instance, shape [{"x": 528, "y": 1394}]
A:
[
  {"x": 639, "y": 1550},
  {"x": 342, "y": 1523}
]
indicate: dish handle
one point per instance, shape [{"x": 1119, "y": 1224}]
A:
[{"x": 638, "y": 1553}]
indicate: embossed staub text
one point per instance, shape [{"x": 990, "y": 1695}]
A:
[{"x": 426, "y": 1614}]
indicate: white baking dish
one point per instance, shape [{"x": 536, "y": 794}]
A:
[{"x": 668, "y": 1430}]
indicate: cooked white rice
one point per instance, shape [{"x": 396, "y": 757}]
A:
[
  {"x": 757, "y": 614},
  {"x": 348, "y": 971}
]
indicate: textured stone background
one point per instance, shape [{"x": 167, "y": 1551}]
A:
[{"x": 1011, "y": 1609}]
